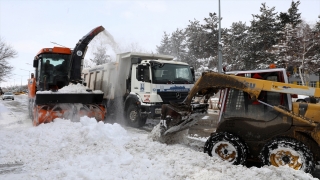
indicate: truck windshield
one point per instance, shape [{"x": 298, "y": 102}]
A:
[
  {"x": 53, "y": 65},
  {"x": 171, "y": 74}
]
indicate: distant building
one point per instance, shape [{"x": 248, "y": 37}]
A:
[{"x": 312, "y": 80}]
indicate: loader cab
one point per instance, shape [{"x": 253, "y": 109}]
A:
[
  {"x": 255, "y": 121},
  {"x": 52, "y": 70}
]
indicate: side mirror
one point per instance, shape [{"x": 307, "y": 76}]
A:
[
  {"x": 140, "y": 72},
  {"x": 35, "y": 63},
  {"x": 192, "y": 72}
]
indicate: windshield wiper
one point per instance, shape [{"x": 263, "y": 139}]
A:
[{"x": 184, "y": 80}]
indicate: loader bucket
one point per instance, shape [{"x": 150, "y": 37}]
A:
[{"x": 178, "y": 117}]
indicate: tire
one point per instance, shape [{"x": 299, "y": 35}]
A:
[
  {"x": 133, "y": 117},
  {"x": 227, "y": 147},
  {"x": 284, "y": 151}
]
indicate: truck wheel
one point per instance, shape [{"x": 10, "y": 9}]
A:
[
  {"x": 284, "y": 151},
  {"x": 133, "y": 117},
  {"x": 226, "y": 146}
]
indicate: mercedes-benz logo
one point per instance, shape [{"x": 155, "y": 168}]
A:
[{"x": 178, "y": 95}]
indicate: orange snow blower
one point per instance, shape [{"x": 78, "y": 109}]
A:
[{"x": 56, "y": 69}]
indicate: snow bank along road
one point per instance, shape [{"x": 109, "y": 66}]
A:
[{"x": 91, "y": 150}]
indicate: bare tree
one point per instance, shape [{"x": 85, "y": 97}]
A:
[{"x": 6, "y": 53}]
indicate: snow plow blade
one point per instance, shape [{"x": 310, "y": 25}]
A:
[
  {"x": 178, "y": 117},
  {"x": 67, "y": 106}
]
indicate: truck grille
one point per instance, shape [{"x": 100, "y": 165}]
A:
[{"x": 173, "y": 96}]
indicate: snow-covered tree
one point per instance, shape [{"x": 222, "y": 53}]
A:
[
  {"x": 270, "y": 38},
  {"x": 305, "y": 43},
  {"x": 165, "y": 45},
  {"x": 292, "y": 16},
  {"x": 288, "y": 45},
  {"x": 211, "y": 35},
  {"x": 299, "y": 49},
  {"x": 235, "y": 42},
  {"x": 202, "y": 39},
  {"x": 178, "y": 45},
  {"x": 317, "y": 26},
  {"x": 311, "y": 48},
  {"x": 263, "y": 35},
  {"x": 195, "y": 41},
  {"x": 6, "y": 53},
  {"x": 284, "y": 50},
  {"x": 206, "y": 64}
]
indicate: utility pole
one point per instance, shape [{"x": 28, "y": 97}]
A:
[{"x": 219, "y": 44}]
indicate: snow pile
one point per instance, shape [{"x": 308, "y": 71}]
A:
[
  {"x": 74, "y": 88},
  {"x": 71, "y": 88},
  {"x": 58, "y": 149},
  {"x": 93, "y": 150}
]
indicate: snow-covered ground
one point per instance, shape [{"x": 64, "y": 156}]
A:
[{"x": 91, "y": 150}]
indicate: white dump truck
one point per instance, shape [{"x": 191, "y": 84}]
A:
[{"x": 137, "y": 84}]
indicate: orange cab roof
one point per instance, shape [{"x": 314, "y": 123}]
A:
[{"x": 57, "y": 50}]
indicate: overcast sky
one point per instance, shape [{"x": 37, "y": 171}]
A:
[{"x": 29, "y": 25}]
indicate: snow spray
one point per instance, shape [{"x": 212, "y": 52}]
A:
[{"x": 115, "y": 107}]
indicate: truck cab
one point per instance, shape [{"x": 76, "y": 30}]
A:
[{"x": 160, "y": 82}]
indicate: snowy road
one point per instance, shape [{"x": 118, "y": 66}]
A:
[
  {"x": 14, "y": 114},
  {"x": 91, "y": 150}
]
